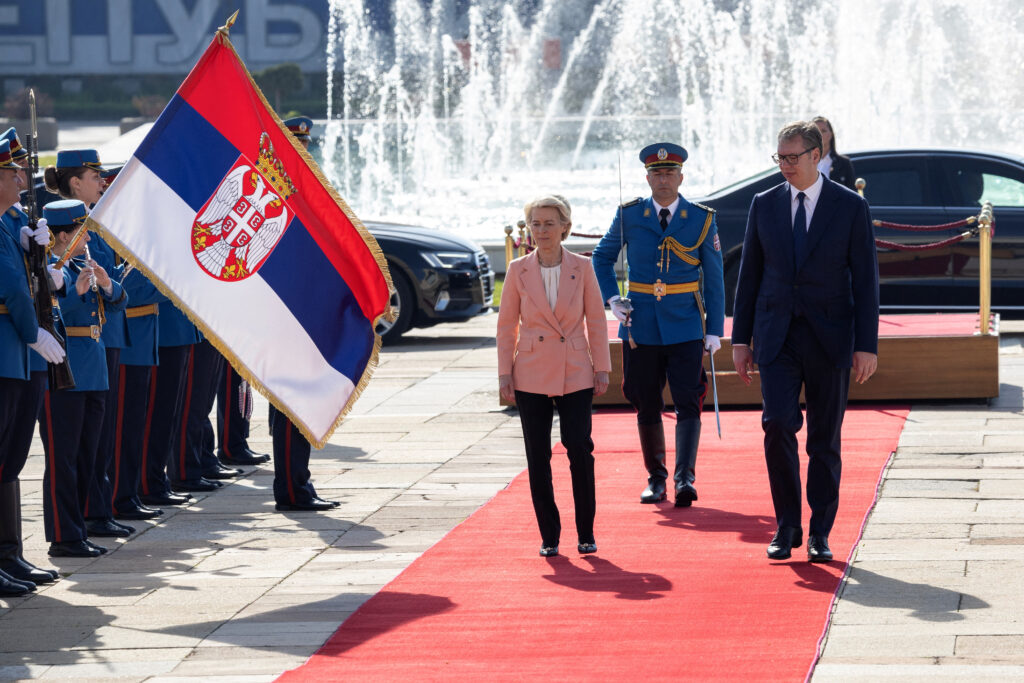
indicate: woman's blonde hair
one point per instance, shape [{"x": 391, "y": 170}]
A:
[{"x": 553, "y": 201}]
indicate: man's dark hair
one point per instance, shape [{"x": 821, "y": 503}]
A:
[{"x": 805, "y": 130}]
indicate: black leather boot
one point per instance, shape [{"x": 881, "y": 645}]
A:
[
  {"x": 12, "y": 563},
  {"x": 652, "y": 444},
  {"x": 687, "y": 440}
]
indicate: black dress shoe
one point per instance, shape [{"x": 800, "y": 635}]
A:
[
  {"x": 11, "y": 587},
  {"x": 23, "y": 571},
  {"x": 73, "y": 549},
  {"x": 785, "y": 539},
  {"x": 243, "y": 457},
  {"x": 586, "y": 548},
  {"x": 140, "y": 512},
  {"x": 98, "y": 548},
  {"x": 165, "y": 499},
  {"x": 107, "y": 528},
  {"x": 685, "y": 495},
  {"x": 314, "y": 505},
  {"x": 221, "y": 472},
  {"x": 548, "y": 550},
  {"x": 817, "y": 548},
  {"x": 654, "y": 493},
  {"x": 198, "y": 485}
]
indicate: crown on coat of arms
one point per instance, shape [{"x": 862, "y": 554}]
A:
[{"x": 272, "y": 169}]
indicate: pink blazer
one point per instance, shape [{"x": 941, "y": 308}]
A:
[{"x": 552, "y": 352}]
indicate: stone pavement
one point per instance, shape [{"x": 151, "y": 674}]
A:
[{"x": 228, "y": 589}]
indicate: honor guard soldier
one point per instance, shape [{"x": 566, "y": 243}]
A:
[
  {"x": 674, "y": 266},
  {"x": 72, "y": 419},
  {"x": 293, "y": 489},
  {"x": 234, "y": 406},
  {"x": 78, "y": 175},
  {"x": 19, "y": 332}
]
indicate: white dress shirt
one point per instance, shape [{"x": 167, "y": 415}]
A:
[{"x": 811, "y": 195}]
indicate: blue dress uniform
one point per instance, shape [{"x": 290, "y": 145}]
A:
[
  {"x": 135, "y": 377},
  {"x": 115, "y": 337},
  {"x": 678, "y": 297},
  {"x": 15, "y": 447},
  {"x": 73, "y": 419},
  {"x": 163, "y": 460}
]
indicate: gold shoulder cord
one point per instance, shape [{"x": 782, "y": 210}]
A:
[{"x": 672, "y": 245}]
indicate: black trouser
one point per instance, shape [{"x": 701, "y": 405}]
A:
[
  {"x": 131, "y": 434},
  {"x": 646, "y": 369},
  {"x": 21, "y": 403},
  {"x": 71, "y": 426},
  {"x": 803, "y": 361},
  {"x": 536, "y": 412},
  {"x": 165, "y": 425},
  {"x": 97, "y": 500},
  {"x": 11, "y": 393},
  {"x": 204, "y": 371},
  {"x": 232, "y": 425},
  {"x": 291, "y": 461}
]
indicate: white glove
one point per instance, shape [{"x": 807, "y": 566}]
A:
[
  {"x": 41, "y": 234},
  {"x": 712, "y": 343},
  {"x": 47, "y": 347},
  {"x": 619, "y": 309},
  {"x": 56, "y": 277}
]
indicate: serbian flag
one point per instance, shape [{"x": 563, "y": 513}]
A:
[{"x": 232, "y": 219}]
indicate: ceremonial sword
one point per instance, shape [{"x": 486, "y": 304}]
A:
[{"x": 625, "y": 301}]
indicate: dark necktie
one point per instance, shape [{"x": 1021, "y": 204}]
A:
[
  {"x": 664, "y": 213},
  {"x": 799, "y": 230}
]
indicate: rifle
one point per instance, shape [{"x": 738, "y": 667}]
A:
[{"x": 42, "y": 293}]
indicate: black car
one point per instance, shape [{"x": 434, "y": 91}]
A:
[
  {"x": 917, "y": 187},
  {"x": 438, "y": 277}
]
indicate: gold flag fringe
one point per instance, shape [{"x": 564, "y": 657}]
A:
[{"x": 220, "y": 344}]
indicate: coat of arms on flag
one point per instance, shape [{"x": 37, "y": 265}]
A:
[
  {"x": 232, "y": 219},
  {"x": 245, "y": 217}
]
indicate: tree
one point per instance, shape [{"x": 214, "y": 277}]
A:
[{"x": 280, "y": 81}]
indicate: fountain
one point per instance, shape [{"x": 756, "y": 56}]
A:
[{"x": 458, "y": 111}]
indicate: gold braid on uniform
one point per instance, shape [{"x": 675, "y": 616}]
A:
[{"x": 670, "y": 245}]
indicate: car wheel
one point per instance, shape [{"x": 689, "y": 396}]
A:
[{"x": 402, "y": 302}]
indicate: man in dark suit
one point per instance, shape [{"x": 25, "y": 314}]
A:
[{"x": 806, "y": 311}]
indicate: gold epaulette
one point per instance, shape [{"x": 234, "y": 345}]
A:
[
  {"x": 631, "y": 202},
  {"x": 701, "y": 206}
]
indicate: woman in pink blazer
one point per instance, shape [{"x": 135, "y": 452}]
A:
[{"x": 553, "y": 352}]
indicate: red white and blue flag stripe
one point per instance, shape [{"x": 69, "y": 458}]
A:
[{"x": 232, "y": 220}]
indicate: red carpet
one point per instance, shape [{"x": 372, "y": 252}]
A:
[{"x": 672, "y": 594}]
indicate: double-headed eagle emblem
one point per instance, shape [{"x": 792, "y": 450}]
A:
[{"x": 244, "y": 219}]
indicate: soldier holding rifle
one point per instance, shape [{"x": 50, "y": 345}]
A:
[
  {"x": 678, "y": 296},
  {"x": 19, "y": 332}
]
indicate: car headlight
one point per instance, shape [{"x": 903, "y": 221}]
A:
[{"x": 447, "y": 259}]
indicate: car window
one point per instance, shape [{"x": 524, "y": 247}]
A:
[
  {"x": 892, "y": 182},
  {"x": 973, "y": 182}
]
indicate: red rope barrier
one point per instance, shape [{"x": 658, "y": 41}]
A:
[
  {"x": 924, "y": 228},
  {"x": 885, "y": 244},
  {"x": 589, "y": 237}
]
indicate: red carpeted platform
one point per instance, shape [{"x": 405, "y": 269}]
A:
[
  {"x": 672, "y": 594},
  {"x": 920, "y": 356}
]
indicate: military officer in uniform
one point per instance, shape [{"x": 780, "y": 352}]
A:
[
  {"x": 674, "y": 262},
  {"x": 72, "y": 419},
  {"x": 19, "y": 332},
  {"x": 293, "y": 489}
]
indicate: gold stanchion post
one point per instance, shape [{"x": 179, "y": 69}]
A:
[
  {"x": 985, "y": 268},
  {"x": 509, "y": 246},
  {"x": 522, "y": 237},
  {"x": 860, "y": 184}
]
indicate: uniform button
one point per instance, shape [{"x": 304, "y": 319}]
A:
[
  {"x": 93, "y": 314},
  {"x": 542, "y": 338}
]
